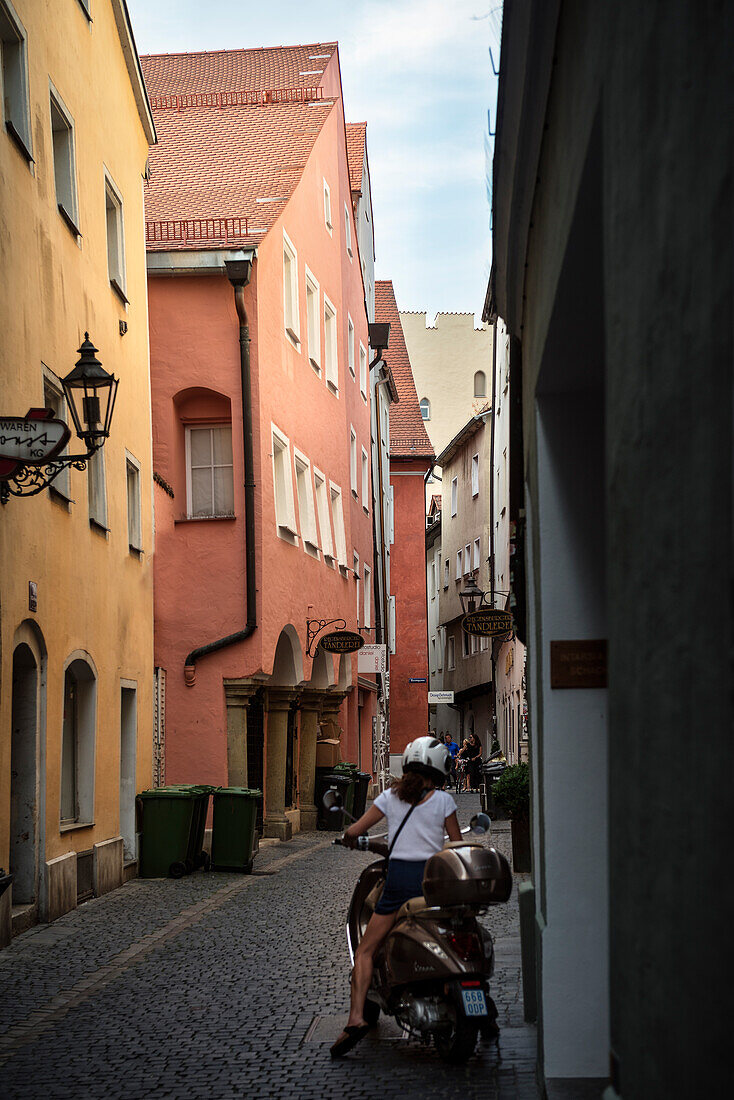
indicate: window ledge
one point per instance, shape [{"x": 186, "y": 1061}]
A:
[
  {"x": 315, "y": 364},
  {"x": 355, "y": 494},
  {"x": 19, "y": 141},
  {"x": 365, "y": 509},
  {"x": 81, "y": 5},
  {"x": 205, "y": 519},
  {"x": 69, "y": 826},
  {"x": 294, "y": 337},
  {"x": 119, "y": 292},
  {"x": 69, "y": 220},
  {"x": 136, "y": 551},
  {"x": 333, "y": 387},
  {"x": 60, "y": 498},
  {"x": 99, "y": 527}
]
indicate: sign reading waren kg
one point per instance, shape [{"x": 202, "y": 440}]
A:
[{"x": 487, "y": 622}]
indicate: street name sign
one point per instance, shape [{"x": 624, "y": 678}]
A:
[
  {"x": 440, "y": 696},
  {"x": 341, "y": 641},
  {"x": 487, "y": 622},
  {"x": 372, "y": 658}
]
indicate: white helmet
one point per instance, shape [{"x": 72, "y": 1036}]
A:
[{"x": 427, "y": 756}]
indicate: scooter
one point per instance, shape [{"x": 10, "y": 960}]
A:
[{"x": 432, "y": 971}]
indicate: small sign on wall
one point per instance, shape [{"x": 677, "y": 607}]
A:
[
  {"x": 372, "y": 658},
  {"x": 579, "y": 664},
  {"x": 32, "y": 596}
]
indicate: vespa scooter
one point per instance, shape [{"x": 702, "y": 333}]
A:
[{"x": 432, "y": 972}]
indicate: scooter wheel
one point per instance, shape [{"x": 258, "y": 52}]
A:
[
  {"x": 371, "y": 1012},
  {"x": 457, "y": 1045}
]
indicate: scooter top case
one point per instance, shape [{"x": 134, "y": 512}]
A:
[{"x": 467, "y": 874}]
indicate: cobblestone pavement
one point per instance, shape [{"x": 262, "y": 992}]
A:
[{"x": 221, "y": 985}]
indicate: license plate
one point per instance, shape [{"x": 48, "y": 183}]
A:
[{"x": 475, "y": 1003}]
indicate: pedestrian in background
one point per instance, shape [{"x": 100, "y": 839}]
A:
[
  {"x": 474, "y": 759},
  {"x": 453, "y": 750}
]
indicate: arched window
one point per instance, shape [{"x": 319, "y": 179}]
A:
[
  {"x": 425, "y": 408},
  {"x": 78, "y": 743},
  {"x": 480, "y": 384}
]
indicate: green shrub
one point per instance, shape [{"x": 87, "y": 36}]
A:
[{"x": 512, "y": 791}]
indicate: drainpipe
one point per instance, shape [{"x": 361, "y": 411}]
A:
[
  {"x": 238, "y": 273},
  {"x": 492, "y": 657}
]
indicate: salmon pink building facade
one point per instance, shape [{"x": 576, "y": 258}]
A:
[
  {"x": 261, "y": 421},
  {"x": 411, "y": 457}
]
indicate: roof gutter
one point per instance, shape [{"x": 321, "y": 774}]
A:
[{"x": 238, "y": 273}]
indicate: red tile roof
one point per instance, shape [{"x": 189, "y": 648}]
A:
[
  {"x": 408, "y": 436},
  {"x": 213, "y": 163},
  {"x": 235, "y": 70},
  {"x": 356, "y": 140}
]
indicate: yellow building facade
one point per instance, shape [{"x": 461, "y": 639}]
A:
[{"x": 76, "y": 578}]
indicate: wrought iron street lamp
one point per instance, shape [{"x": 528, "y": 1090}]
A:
[
  {"x": 30, "y": 445},
  {"x": 92, "y": 383},
  {"x": 472, "y": 597}
]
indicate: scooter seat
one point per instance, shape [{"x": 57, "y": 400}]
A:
[
  {"x": 412, "y": 906},
  {"x": 463, "y": 844}
]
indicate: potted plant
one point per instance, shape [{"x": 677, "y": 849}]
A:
[{"x": 512, "y": 792}]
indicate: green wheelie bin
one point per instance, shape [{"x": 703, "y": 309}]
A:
[
  {"x": 233, "y": 832},
  {"x": 167, "y": 819}
]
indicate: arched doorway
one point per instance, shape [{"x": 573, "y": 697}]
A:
[{"x": 24, "y": 775}]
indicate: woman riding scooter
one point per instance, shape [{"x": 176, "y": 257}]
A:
[{"x": 418, "y": 814}]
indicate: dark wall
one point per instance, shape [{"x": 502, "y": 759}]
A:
[{"x": 668, "y": 265}]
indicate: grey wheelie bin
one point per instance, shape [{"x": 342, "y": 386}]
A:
[
  {"x": 233, "y": 832},
  {"x": 362, "y": 783}
]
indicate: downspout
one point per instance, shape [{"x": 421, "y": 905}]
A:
[{"x": 238, "y": 273}]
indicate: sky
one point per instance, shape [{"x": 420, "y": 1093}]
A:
[{"x": 419, "y": 73}]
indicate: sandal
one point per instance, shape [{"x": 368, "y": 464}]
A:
[{"x": 352, "y": 1035}]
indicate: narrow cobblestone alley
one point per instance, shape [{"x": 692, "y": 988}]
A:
[{"x": 219, "y": 985}]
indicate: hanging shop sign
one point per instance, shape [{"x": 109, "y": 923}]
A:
[
  {"x": 372, "y": 658},
  {"x": 487, "y": 622},
  {"x": 440, "y": 696},
  {"x": 30, "y": 440},
  {"x": 341, "y": 641}
]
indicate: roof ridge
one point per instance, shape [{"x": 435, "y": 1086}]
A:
[{"x": 238, "y": 49}]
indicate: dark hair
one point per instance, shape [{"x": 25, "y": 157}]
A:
[{"x": 411, "y": 786}]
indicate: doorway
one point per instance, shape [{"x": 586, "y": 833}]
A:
[
  {"x": 128, "y": 744},
  {"x": 24, "y": 776}
]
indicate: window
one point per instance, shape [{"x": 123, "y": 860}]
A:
[
  {"x": 454, "y": 495},
  {"x": 367, "y": 596},
  {"x": 209, "y": 471},
  {"x": 432, "y": 587},
  {"x": 446, "y": 573},
  {"x": 115, "y": 238},
  {"x": 425, "y": 406},
  {"x": 134, "y": 523},
  {"x": 62, "y": 135},
  {"x": 330, "y": 353},
  {"x": 391, "y": 513},
  {"x": 441, "y": 646},
  {"x": 467, "y": 558},
  {"x": 290, "y": 290},
  {"x": 97, "y": 488},
  {"x": 16, "y": 102},
  {"x": 322, "y": 508},
  {"x": 53, "y": 398},
  {"x": 475, "y": 475},
  {"x": 451, "y": 653},
  {"x": 337, "y": 513},
  {"x": 392, "y": 622},
  {"x": 348, "y": 230},
  {"x": 285, "y": 510},
  {"x": 313, "y": 322},
  {"x": 350, "y": 345},
  {"x": 459, "y": 571},
  {"x": 464, "y": 644},
  {"x": 363, "y": 370},
  {"x": 480, "y": 384},
  {"x": 484, "y": 643},
  {"x": 474, "y": 644},
  {"x": 353, "y": 460},
  {"x": 306, "y": 508},
  {"x": 355, "y": 567},
  {"x": 327, "y": 207},
  {"x": 477, "y": 553},
  {"x": 433, "y": 654},
  {"x": 365, "y": 480},
  {"x": 78, "y": 743}
]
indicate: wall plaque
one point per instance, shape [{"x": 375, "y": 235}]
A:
[{"x": 580, "y": 664}]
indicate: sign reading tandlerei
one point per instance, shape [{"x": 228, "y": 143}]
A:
[
  {"x": 341, "y": 641},
  {"x": 488, "y": 622}
]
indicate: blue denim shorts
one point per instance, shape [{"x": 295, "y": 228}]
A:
[{"x": 404, "y": 881}]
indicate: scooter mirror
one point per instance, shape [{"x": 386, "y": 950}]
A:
[
  {"x": 332, "y": 799},
  {"x": 480, "y": 823}
]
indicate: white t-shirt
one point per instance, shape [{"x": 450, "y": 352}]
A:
[{"x": 423, "y": 834}]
